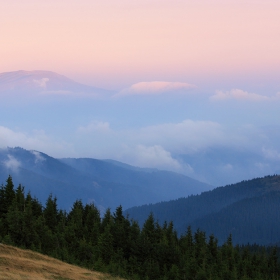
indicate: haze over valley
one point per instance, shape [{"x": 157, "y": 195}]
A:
[{"x": 217, "y": 137}]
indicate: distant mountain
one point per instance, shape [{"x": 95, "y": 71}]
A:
[
  {"x": 43, "y": 82},
  {"x": 106, "y": 183},
  {"x": 248, "y": 210}
]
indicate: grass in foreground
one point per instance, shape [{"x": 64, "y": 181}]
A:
[{"x": 19, "y": 264}]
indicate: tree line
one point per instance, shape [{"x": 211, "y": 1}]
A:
[{"x": 117, "y": 245}]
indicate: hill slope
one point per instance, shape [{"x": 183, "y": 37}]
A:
[
  {"x": 249, "y": 210},
  {"x": 253, "y": 220},
  {"x": 17, "y": 264}
]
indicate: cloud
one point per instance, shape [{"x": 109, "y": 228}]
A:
[
  {"x": 41, "y": 83},
  {"x": 38, "y": 157},
  {"x": 37, "y": 140},
  {"x": 73, "y": 93},
  {"x": 186, "y": 136},
  {"x": 228, "y": 167},
  {"x": 183, "y": 147},
  {"x": 271, "y": 154},
  {"x": 152, "y": 146},
  {"x": 156, "y": 156},
  {"x": 57, "y": 92},
  {"x": 95, "y": 126},
  {"x": 188, "y": 147},
  {"x": 155, "y": 88},
  {"x": 238, "y": 94},
  {"x": 12, "y": 163}
]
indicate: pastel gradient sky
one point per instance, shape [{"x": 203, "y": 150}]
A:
[
  {"x": 191, "y": 86},
  {"x": 114, "y": 44}
]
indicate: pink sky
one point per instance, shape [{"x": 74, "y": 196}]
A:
[{"x": 113, "y": 44}]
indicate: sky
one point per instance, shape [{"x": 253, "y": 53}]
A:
[{"x": 193, "y": 85}]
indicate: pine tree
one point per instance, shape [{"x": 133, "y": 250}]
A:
[
  {"x": 107, "y": 220},
  {"x": 92, "y": 223},
  {"x": 120, "y": 230},
  {"x": 28, "y": 232},
  {"x": 51, "y": 213},
  {"x": 105, "y": 245},
  {"x": 7, "y": 195},
  {"x": 15, "y": 222}
]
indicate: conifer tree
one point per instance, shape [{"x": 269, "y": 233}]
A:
[
  {"x": 51, "y": 213},
  {"x": 92, "y": 223},
  {"x": 105, "y": 245},
  {"x": 7, "y": 195}
]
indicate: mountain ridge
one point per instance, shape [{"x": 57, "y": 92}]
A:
[
  {"x": 46, "y": 82},
  {"x": 91, "y": 180},
  {"x": 222, "y": 211}
]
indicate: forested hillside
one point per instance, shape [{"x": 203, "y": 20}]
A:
[
  {"x": 117, "y": 245},
  {"x": 251, "y": 220},
  {"x": 248, "y": 210}
]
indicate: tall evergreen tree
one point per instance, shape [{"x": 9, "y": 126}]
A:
[
  {"x": 51, "y": 213},
  {"x": 7, "y": 195},
  {"x": 92, "y": 223}
]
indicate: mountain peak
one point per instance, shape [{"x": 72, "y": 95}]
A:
[{"x": 39, "y": 81}]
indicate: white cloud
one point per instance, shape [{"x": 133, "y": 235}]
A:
[
  {"x": 158, "y": 146},
  {"x": 95, "y": 126},
  {"x": 271, "y": 154},
  {"x": 12, "y": 163},
  {"x": 238, "y": 94},
  {"x": 10, "y": 138},
  {"x": 154, "y": 157},
  {"x": 161, "y": 146},
  {"x": 228, "y": 167},
  {"x": 156, "y": 88},
  {"x": 41, "y": 83},
  {"x": 37, "y": 140},
  {"x": 38, "y": 156},
  {"x": 73, "y": 93},
  {"x": 262, "y": 166},
  {"x": 187, "y": 136},
  {"x": 152, "y": 146},
  {"x": 56, "y": 92}
]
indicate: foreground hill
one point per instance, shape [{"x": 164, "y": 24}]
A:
[
  {"x": 106, "y": 183},
  {"x": 248, "y": 210},
  {"x": 17, "y": 264}
]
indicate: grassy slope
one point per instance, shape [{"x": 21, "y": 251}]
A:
[{"x": 17, "y": 264}]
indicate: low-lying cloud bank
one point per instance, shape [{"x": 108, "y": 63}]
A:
[
  {"x": 156, "y": 88},
  {"x": 239, "y": 94},
  {"x": 37, "y": 140},
  {"x": 205, "y": 150}
]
